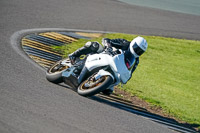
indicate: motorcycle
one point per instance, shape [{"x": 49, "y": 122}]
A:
[{"x": 101, "y": 71}]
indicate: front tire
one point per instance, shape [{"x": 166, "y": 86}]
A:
[
  {"x": 54, "y": 73},
  {"x": 103, "y": 83}
]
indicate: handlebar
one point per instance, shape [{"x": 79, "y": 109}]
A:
[{"x": 110, "y": 51}]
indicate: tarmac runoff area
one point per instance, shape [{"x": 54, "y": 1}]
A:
[{"x": 36, "y": 44}]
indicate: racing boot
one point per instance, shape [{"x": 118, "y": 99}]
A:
[{"x": 72, "y": 58}]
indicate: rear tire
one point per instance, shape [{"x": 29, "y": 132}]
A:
[
  {"x": 90, "y": 91},
  {"x": 54, "y": 73}
]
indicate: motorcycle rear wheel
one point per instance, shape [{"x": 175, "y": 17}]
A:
[
  {"x": 54, "y": 73},
  {"x": 104, "y": 83}
]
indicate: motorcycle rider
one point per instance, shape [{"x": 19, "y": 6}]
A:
[{"x": 132, "y": 50}]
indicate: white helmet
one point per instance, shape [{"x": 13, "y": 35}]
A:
[{"x": 138, "y": 46}]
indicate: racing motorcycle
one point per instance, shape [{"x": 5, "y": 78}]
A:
[{"x": 101, "y": 72}]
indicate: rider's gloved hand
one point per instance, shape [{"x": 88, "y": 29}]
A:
[
  {"x": 109, "y": 49},
  {"x": 106, "y": 42}
]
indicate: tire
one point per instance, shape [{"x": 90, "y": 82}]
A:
[
  {"x": 55, "y": 75},
  {"x": 90, "y": 91}
]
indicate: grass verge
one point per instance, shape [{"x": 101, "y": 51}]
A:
[{"x": 168, "y": 75}]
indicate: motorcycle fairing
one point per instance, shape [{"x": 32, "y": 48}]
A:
[{"x": 116, "y": 63}]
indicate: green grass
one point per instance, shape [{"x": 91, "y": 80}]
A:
[{"x": 168, "y": 74}]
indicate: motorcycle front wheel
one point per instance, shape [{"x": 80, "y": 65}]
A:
[
  {"x": 91, "y": 86},
  {"x": 54, "y": 73}
]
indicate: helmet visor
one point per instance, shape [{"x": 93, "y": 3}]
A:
[
  {"x": 129, "y": 59},
  {"x": 137, "y": 49}
]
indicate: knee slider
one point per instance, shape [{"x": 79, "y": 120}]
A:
[
  {"x": 94, "y": 46},
  {"x": 88, "y": 44}
]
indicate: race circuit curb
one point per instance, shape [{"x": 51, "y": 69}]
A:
[
  {"x": 38, "y": 46},
  {"x": 15, "y": 39}
]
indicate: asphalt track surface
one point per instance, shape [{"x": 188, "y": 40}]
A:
[{"x": 29, "y": 103}]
